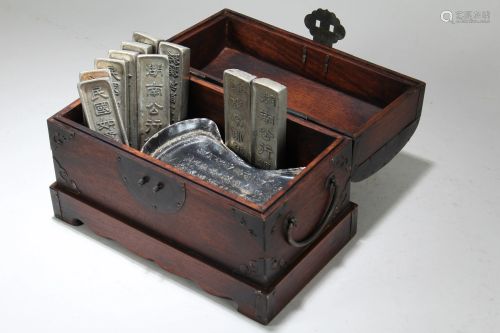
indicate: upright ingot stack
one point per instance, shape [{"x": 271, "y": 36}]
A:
[
  {"x": 119, "y": 73},
  {"x": 238, "y": 112},
  {"x": 149, "y": 79},
  {"x": 130, "y": 57},
  {"x": 255, "y": 118},
  {"x": 100, "y": 108},
  {"x": 269, "y": 111},
  {"x": 178, "y": 71},
  {"x": 153, "y": 92}
]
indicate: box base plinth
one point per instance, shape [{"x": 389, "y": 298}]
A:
[{"x": 256, "y": 302}]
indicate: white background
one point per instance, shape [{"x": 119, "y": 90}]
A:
[{"x": 426, "y": 257}]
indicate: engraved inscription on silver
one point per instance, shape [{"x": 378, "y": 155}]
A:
[
  {"x": 269, "y": 100},
  {"x": 178, "y": 70},
  {"x": 119, "y": 77},
  {"x": 94, "y": 74},
  {"x": 153, "y": 95},
  {"x": 195, "y": 146},
  {"x": 137, "y": 47},
  {"x": 142, "y": 37},
  {"x": 131, "y": 58},
  {"x": 100, "y": 108},
  {"x": 237, "y": 112}
]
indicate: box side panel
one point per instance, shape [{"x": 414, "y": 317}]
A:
[
  {"x": 204, "y": 224},
  {"x": 308, "y": 201},
  {"x": 309, "y": 265}
]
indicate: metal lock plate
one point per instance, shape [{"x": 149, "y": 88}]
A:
[{"x": 153, "y": 188}]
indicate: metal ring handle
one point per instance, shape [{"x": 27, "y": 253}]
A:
[{"x": 290, "y": 220}]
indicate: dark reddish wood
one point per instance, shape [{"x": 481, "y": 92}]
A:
[
  {"x": 356, "y": 98},
  {"x": 205, "y": 223},
  {"x": 255, "y": 302}
]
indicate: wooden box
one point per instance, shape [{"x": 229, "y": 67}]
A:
[{"x": 345, "y": 121}]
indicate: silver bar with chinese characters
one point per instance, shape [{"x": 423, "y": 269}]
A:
[
  {"x": 153, "y": 95},
  {"x": 119, "y": 74},
  {"x": 237, "y": 112},
  {"x": 145, "y": 38},
  {"x": 269, "y": 106},
  {"x": 137, "y": 47},
  {"x": 100, "y": 109},
  {"x": 131, "y": 58},
  {"x": 94, "y": 74},
  {"x": 178, "y": 71}
]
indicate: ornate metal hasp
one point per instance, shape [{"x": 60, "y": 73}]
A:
[
  {"x": 118, "y": 74},
  {"x": 100, "y": 109},
  {"x": 153, "y": 95},
  {"x": 325, "y": 27},
  {"x": 137, "y": 47},
  {"x": 145, "y": 38},
  {"x": 269, "y": 107},
  {"x": 238, "y": 112},
  {"x": 130, "y": 57},
  {"x": 178, "y": 71},
  {"x": 195, "y": 146}
]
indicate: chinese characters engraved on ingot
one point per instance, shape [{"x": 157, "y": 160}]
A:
[
  {"x": 119, "y": 74},
  {"x": 178, "y": 71},
  {"x": 153, "y": 93},
  {"x": 269, "y": 107},
  {"x": 237, "y": 112},
  {"x": 131, "y": 59},
  {"x": 100, "y": 108}
]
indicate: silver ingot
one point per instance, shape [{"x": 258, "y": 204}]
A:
[
  {"x": 153, "y": 95},
  {"x": 131, "y": 58},
  {"x": 137, "y": 47},
  {"x": 195, "y": 146},
  {"x": 237, "y": 112},
  {"x": 119, "y": 79},
  {"x": 94, "y": 74},
  {"x": 179, "y": 62},
  {"x": 142, "y": 37},
  {"x": 269, "y": 100},
  {"x": 100, "y": 109}
]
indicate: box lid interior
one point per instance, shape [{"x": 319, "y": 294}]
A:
[{"x": 343, "y": 97}]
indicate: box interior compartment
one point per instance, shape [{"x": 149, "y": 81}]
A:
[
  {"x": 344, "y": 98},
  {"x": 304, "y": 142}
]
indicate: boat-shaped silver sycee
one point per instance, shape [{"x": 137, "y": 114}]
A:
[
  {"x": 100, "y": 109},
  {"x": 178, "y": 71},
  {"x": 195, "y": 146}
]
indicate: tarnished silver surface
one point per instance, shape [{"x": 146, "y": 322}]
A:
[
  {"x": 145, "y": 38},
  {"x": 100, "y": 108},
  {"x": 131, "y": 58},
  {"x": 153, "y": 95},
  {"x": 269, "y": 100},
  {"x": 178, "y": 70},
  {"x": 237, "y": 112},
  {"x": 137, "y": 47},
  {"x": 119, "y": 80},
  {"x": 94, "y": 74},
  {"x": 195, "y": 146}
]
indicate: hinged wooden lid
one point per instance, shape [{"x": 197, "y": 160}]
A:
[{"x": 358, "y": 99}]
